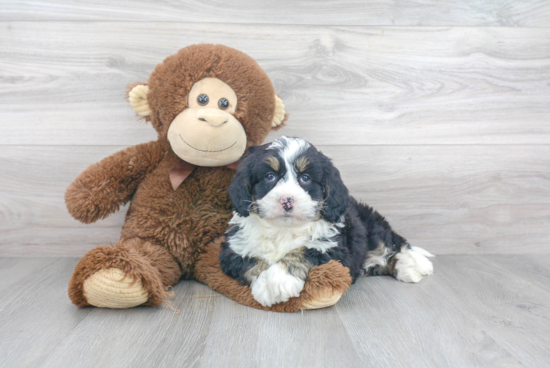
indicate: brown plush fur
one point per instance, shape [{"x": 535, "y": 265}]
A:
[
  {"x": 138, "y": 259},
  {"x": 105, "y": 186},
  {"x": 169, "y": 87},
  {"x": 170, "y": 234}
]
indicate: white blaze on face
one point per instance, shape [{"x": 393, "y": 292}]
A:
[{"x": 304, "y": 207}]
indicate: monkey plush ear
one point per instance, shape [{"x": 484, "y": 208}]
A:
[
  {"x": 280, "y": 114},
  {"x": 138, "y": 100}
]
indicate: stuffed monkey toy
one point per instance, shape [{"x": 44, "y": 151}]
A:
[{"x": 208, "y": 104}]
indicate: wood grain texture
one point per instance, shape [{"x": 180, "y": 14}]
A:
[
  {"x": 310, "y": 339},
  {"x": 13, "y": 270},
  {"x": 455, "y": 199},
  {"x": 62, "y": 83},
  {"x": 32, "y": 203},
  {"x": 514, "y": 311},
  {"x": 350, "y": 12},
  {"x": 474, "y": 311},
  {"x": 448, "y": 199},
  {"x": 35, "y": 313},
  {"x": 143, "y": 337},
  {"x": 469, "y": 302},
  {"x": 399, "y": 325},
  {"x": 532, "y": 268}
]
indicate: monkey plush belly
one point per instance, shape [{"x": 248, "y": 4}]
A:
[{"x": 182, "y": 220}]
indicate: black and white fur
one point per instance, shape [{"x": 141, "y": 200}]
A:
[{"x": 292, "y": 212}]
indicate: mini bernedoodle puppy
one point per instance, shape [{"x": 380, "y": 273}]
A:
[{"x": 292, "y": 212}]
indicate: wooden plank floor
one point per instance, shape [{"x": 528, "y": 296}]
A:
[{"x": 484, "y": 310}]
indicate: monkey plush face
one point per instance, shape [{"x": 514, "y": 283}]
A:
[
  {"x": 207, "y": 131},
  {"x": 209, "y": 102}
]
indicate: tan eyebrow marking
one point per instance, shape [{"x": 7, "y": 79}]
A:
[
  {"x": 301, "y": 163},
  {"x": 273, "y": 162}
]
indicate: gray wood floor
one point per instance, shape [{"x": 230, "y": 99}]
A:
[{"x": 488, "y": 310}]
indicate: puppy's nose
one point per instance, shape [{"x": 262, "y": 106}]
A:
[
  {"x": 213, "y": 117},
  {"x": 286, "y": 203}
]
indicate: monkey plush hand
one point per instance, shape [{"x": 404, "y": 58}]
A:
[{"x": 208, "y": 104}]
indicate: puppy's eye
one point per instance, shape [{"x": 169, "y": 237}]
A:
[
  {"x": 223, "y": 103},
  {"x": 202, "y": 99},
  {"x": 305, "y": 179},
  {"x": 270, "y": 177}
]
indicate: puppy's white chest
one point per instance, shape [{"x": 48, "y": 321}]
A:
[
  {"x": 271, "y": 242},
  {"x": 272, "y": 249}
]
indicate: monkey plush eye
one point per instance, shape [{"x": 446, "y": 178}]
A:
[
  {"x": 223, "y": 103},
  {"x": 202, "y": 99},
  {"x": 270, "y": 176},
  {"x": 305, "y": 179}
]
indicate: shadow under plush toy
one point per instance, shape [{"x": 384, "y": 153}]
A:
[{"x": 208, "y": 103}]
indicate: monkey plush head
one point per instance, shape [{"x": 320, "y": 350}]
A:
[{"x": 209, "y": 103}]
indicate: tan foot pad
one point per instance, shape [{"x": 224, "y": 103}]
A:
[
  {"x": 324, "y": 299},
  {"x": 109, "y": 289}
]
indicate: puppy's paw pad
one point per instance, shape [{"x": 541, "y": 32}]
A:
[{"x": 412, "y": 264}]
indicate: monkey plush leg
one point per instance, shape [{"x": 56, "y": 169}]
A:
[
  {"x": 323, "y": 288},
  {"x": 132, "y": 273}
]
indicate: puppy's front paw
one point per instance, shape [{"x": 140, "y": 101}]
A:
[
  {"x": 276, "y": 285},
  {"x": 412, "y": 264}
]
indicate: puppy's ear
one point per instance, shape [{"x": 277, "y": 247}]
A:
[
  {"x": 336, "y": 193},
  {"x": 240, "y": 189}
]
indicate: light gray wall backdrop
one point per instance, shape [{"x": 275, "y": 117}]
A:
[{"x": 436, "y": 112}]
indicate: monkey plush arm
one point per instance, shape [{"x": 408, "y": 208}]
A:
[{"x": 103, "y": 187}]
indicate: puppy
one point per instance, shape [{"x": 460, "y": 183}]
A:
[{"x": 292, "y": 212}]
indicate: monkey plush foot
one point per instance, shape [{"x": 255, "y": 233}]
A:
[
  {"x": 324, "y": 287},
  {"x": 111, "y": 288},
  {"x": 132, "y": 273},
  {"x": 325, "y": 298}
]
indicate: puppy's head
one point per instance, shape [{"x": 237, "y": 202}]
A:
[{"x": 289, "y": 179}]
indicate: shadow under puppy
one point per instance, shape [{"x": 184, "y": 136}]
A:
[{"x": 292, "y": 212}]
